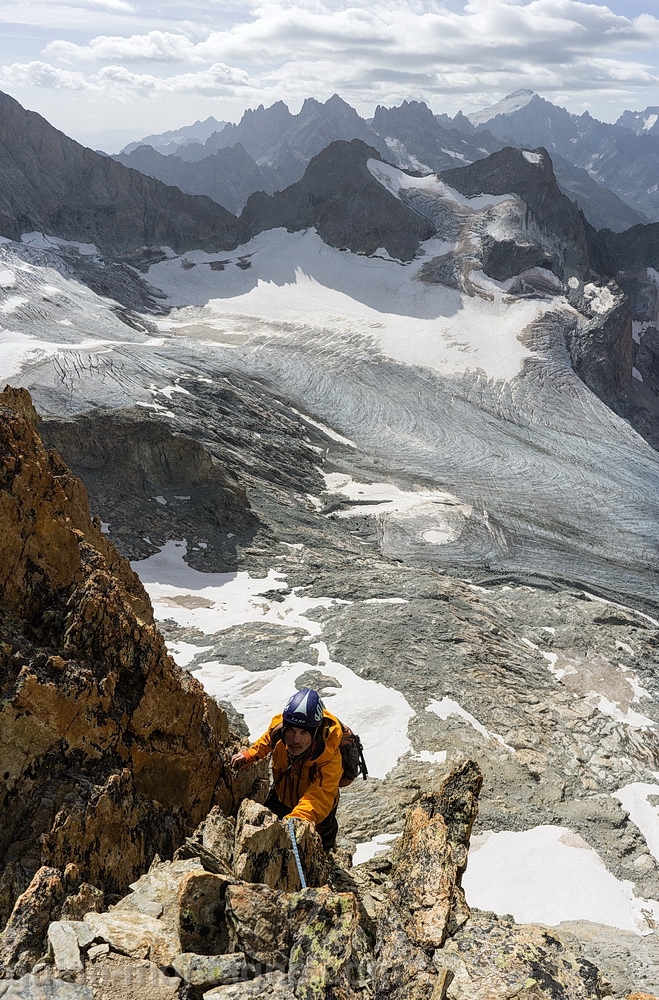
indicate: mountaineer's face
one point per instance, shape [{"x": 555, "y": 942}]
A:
[{"x": 297, "y": 740}]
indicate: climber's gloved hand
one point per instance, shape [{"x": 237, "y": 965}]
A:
[{"x": 239, "y": 761}]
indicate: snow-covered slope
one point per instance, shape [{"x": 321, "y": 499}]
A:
[
  {"x": 507, "y": 106},
  {"x": 470, "y": 380}
]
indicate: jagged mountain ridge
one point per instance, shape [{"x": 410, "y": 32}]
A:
[
  {"x": 410, "y": 136},
  {"x": 641, "y": 122},
  {"x": 616, "y": 157},
  {"x": 170, "y": 141}
]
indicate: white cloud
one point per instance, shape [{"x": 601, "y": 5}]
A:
[
  {"x": 379, "y": 51},
  {"x": 122, "y": 84},
  {"x": 399, "y": 37},
  {"x": 156, "y": 46},
  {"x": 114, "y": 5},
  {"x": 40, "y": 74}
]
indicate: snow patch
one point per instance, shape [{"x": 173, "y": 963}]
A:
[
  {"x": 508, "y": 106},
  {"x": 378, "y": 845},
  {"x": 635, "y": 798},
  {"x": 637, "y": 375},
  {"x": 535, "y": 158},
  {"x": 42, "y": 242},
  {"x": 600, "y": 299},
  {"x": 334, "y": 435},
  {"x": 611, "y": 708},
  {"x": 7, "y": 278},
  {"x": 431, "y": 756},
  {"x": 13, "y": 303},
  {"x": 185, "y": 652},
  {"x": 386, "y": 600},
  {"x": 547, "y": 875},
  {"x": 396, "y": 180},
  {"x": 384, "y": 497}
]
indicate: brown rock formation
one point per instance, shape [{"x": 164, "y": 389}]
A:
[
  {"x": 432, "y": 856},
  {"x": 246, "y": 940},
  {"x": 262, "y": 851},
  {"x": 109, "y": 753}
]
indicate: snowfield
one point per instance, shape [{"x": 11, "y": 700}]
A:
[{"x": 295, "y": 281}]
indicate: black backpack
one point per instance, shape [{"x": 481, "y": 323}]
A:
[{"x": 352, "y": 756}]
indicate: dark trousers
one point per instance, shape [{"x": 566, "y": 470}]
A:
[{"x": 326, "y": 830}]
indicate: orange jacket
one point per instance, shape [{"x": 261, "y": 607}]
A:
[{"x": 309, "y": 788}]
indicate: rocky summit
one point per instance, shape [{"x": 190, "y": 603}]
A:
[{"x": 395, "y": 439}]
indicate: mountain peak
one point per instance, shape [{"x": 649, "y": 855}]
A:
[{"x": 509, "y": 105}]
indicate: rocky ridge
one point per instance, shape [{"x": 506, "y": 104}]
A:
[
  {"x": 110, "y": 752},
  {"x": 205, "y": 924},
  {"x": 53, "y": 185},
  {"x": 279, "y": 145}
]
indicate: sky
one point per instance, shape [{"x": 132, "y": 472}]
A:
[{"x": 108, "y": 71}]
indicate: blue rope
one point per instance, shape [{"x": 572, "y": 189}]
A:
[{"x": 291, "y": 833}]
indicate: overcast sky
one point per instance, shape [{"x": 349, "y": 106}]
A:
[{"x": 106, "y": 71}]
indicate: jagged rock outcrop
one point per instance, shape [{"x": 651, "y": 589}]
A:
[
  {"x": 52, "y": 184},
  {"x": 341, "y": 199},
  {"x": 432, "y": 856},
  {"x": 262, "y": 850},
  {"x": 531, "y": 176},
  {"x": 110, "y": 752},
  {"x": 184, "y": 928}
]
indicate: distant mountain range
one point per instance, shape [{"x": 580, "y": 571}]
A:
[
  {"x": 592, "y": 161},
  {"x": 170, "y": 142}
]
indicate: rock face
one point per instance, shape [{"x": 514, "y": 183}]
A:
[
  {"x": 110, "y": 752},
  {"x": 531, "y": 176},
  {"x": 340, "y": 198},
  {"x": 128, "y": 459},
  {"x": 193, "y": 929},
  {"x": 263, "y": 853},
  {"x": 431, "y": 857},
  {"x": 54, "y": 185},
  {"x": 413, "y": 128}
]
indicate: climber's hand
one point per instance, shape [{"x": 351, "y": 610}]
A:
[{"x": 239, "y": 761}]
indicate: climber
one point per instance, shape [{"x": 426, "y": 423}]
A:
[{"x": 306, "y": 763}]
